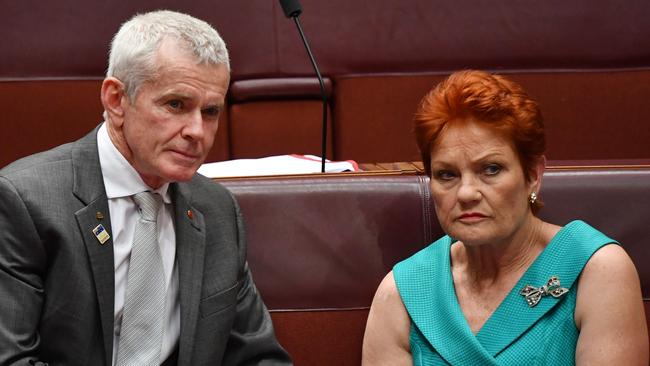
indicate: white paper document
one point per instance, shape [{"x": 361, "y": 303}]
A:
[{"x": 275, "y": 165}]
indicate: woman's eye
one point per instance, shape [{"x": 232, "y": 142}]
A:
[
  {"x": 492, "y": 169},
  {"x": 445, "y": 175}
]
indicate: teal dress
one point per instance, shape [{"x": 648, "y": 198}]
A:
[{"x": 515, "y": 334}]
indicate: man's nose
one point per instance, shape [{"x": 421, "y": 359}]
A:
[{"x": 194, "y": 127}]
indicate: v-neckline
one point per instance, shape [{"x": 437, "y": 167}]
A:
[
  {"x": 449, "y": 270},
  {"x": 493, "y": 326}
]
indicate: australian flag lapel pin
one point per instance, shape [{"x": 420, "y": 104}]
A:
[{"x": 101, "y": 234}]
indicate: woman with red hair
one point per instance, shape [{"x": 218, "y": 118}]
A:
[{"x": 502, "y": 287}]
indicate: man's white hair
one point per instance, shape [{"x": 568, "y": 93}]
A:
[{"x": 134, "y": 47}]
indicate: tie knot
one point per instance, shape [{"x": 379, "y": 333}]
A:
[{"x": 149, "y": 204}]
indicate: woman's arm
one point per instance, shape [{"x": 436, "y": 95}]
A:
[
  {"x": 609, "y": 311},
  {"x": 386, "y": 341}
]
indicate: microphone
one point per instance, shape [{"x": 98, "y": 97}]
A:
[{"x": 293, "y": 10}]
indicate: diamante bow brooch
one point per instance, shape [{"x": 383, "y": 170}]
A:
[{"x": 533, "y": 294}]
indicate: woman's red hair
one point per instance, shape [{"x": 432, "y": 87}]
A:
[{"x": 488, "y": 99}]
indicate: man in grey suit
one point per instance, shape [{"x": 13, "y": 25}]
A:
[{"x": 75, "y": 288}]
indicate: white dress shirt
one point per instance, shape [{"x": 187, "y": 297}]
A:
[{"x": 121, "y": 182}]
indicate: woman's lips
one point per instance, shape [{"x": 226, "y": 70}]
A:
[{"x": 471, "y": 217}]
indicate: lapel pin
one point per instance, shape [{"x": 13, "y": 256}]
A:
[
  {"x": 99, "y": 216},
  {"x": 101, "y": 234},
  {"x": 190, "y": 214}
]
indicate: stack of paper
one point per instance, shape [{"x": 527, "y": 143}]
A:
[{"x": 274, "y": 165}]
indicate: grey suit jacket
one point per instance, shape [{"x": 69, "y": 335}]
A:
[{"x": 57, "y": 279}]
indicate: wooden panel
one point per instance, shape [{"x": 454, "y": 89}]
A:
[
  {"x": 588, "y": 115},
  {"x": 280, "y": 127}
]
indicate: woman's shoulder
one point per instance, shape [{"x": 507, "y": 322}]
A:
[
  {"x": 609, "y": 310},
  {"x": 386, "y": 339},
  {"x": 610, "y": 256},
  {"x": 608, "y": 265},
  {"x": 387, "y": 293},
  {"x": 610, "y": 276}
]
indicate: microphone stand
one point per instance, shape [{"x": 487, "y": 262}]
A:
[{"x": 322, "y": 90}]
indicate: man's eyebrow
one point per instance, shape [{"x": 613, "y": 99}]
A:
[{"x": 175, "y": 94}]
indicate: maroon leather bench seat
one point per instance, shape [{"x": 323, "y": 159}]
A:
[{"x": 319, "y": 245}]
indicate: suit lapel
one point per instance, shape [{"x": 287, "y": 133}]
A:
[
  {"x": 190, "y": 249},
  {"x": 88, "y": 186}
]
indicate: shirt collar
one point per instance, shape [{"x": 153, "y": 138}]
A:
[{"x": 120, "y": 178}]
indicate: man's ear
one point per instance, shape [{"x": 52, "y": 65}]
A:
[
  {"x": 112, "y": 95},
  {"x": 536, "y": 173}
]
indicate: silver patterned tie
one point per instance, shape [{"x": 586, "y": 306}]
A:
[{"x": 142, "y": 317}]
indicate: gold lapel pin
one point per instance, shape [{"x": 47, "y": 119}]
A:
[{"x": 99, "y": 215}]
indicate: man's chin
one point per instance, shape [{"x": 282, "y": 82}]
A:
[
  {"x": 183, "y": 176},
  {"x": 180, "y": 173}
]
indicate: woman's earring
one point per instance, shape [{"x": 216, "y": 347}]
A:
[{"x": 532, "y": 198}]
